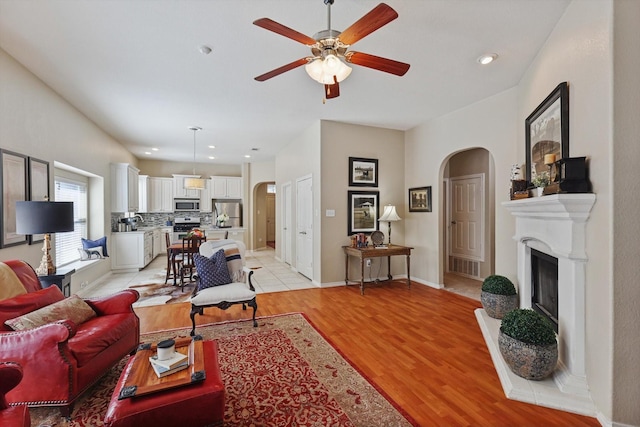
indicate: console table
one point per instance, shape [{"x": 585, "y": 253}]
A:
[{"x": 376, "y": 252}]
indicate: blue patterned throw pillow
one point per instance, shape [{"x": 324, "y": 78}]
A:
[
  {"x": 101, "y": 242},
  {"x": 212, "y": 271}
]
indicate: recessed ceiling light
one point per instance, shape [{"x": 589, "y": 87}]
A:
[
  {"x": 147, "y": 152},
  {"x": 247, "y": 156},
  {"x": 211, "y": 158},
  {"x": 212, "y": 146},
  {"x": 488, "y": 58},
  {"x": 154, "y": 149},
  {"x": 205, "y": 50}
]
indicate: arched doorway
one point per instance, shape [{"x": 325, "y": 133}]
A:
[
  {"x": 264, "y": 215},
  {"x": 469, "y": 236}
]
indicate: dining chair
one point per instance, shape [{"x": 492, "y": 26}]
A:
[
  {"x": 190, "y": 246},
  {"x": 173, "y": 261}
]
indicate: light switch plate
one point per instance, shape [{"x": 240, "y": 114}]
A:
[{"x": 331, "y": 212}]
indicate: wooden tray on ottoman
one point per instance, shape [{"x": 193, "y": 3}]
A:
[{"x": 142, "y": 379}]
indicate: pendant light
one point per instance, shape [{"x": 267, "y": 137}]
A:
[{"x": 194, "y": 183}]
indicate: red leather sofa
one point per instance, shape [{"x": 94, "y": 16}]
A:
[
  {"x": 61, "y": 360},
  {"x": 11, "y": 416}
]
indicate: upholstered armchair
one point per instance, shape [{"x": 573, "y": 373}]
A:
[{"x": 238, "y": 289}]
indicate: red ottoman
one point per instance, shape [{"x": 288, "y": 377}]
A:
[{"x": 195, "y": 405}]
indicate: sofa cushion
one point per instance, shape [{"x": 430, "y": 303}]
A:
[
  {"x": 72, "y": 308},
  {"x": 212, "y": 271},
  {"x": 26, "y": 303},
  {"x": 98, "y": 333},
  {"x": 10, "y": 285}
]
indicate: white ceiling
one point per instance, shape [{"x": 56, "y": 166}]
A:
[{"x": 134, "y": 67}]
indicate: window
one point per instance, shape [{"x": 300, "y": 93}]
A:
[
  {"x": 271, "y": 188},
  {"x": 67, "y": 244}
]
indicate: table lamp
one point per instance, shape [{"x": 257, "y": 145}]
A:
[
  {"x": 389, "y": 215},
  {"x": 44, "y": 218}
]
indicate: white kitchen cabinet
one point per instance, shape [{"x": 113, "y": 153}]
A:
[
  {"x": 131, "y": 250},
  {"x": 157, "y": 242},
  {"x": 160, "y": 194},
  {"x": 226, "y": 187},
  {"x": 143, "y": 193},
  {"x": 205, "y": 197},
  {"x": 180, "y": 192},
  {"x": 236, "y": 234},
  {"x": 124, "y": 188}
]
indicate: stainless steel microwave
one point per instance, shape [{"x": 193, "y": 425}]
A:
[{"x": 186, "y": 205}]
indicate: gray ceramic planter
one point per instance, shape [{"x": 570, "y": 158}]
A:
[
  {"x": 497, "y": 306},
  {"x": 529, "y": 361}
]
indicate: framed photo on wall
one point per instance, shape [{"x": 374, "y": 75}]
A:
[
  {"x": 420, "y": 199},
  {"x": 547, "y": 131},
  {"x": 364, "y": 211},
  {"x": 363, "y": 172},
  {"x": 14, "y": 189},
  {"x": 38, "y": 187}
]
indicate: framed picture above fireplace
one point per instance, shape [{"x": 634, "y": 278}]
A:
[{"x": 547, "y": 131}]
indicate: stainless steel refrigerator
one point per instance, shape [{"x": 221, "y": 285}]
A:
[{"x": 233, "y": 209}]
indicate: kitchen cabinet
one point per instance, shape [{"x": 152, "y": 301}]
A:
[
  {"x": 124, "y": 188},
  {"x": 226, "y": 187},
  {"x": 131, "y": 250},
  {"x": 143, "y": 193},
  {"x": 163, "y": 232},
  {"x": 179, "y": 192},
  {"x": 205, "y": 197},
  {"x": 236, "y": 234},
  {"x": 157, "y": 242},
  {"x": 160, "y": 194}
]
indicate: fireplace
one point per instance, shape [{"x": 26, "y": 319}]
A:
[
  {"x": 550, "y": 235},
  {"x": 544, "y": 286}
]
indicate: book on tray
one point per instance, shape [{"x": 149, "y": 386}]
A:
[
  {"x": 170, "y": 363},
  {"x": 161, "y": 371}
]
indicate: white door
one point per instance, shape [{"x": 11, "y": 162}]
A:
[
  {"x": 304, "y": 227},
  {"x": 285, "y": 241},
  {"x": 467, "y": 217}
]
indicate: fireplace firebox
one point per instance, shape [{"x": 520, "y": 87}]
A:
[{"x": 544, "y": 285}]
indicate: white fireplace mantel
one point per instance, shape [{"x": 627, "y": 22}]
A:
[{"x": 556, "y": 225}]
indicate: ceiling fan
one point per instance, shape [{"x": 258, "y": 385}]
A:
[{"x": 329, "y": 47}]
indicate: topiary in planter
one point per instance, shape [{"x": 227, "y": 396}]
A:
[
  {"x": 498, "y": 296},
  {"x": 528, "y": 344}
]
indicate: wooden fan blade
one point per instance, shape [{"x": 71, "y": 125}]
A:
[
  {"x": 379, "y": 16},
  {"x": 377, "y": 63},
  {"x": 283, "y": 69},
  {"x": 271, "y": 25},
  {"x": 332, "y": 91}
]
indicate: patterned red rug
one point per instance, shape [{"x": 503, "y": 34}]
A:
[{"x": 282, "y": 373}]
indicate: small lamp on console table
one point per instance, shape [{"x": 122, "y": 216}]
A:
[
  {"x": 389, "y": 215},
  {"x": 44, "y": 218}
]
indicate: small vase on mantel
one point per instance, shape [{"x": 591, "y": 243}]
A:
[{"x": 539, "y": 191}]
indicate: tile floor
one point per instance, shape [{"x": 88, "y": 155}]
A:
[{"x": 271, "y": 276}]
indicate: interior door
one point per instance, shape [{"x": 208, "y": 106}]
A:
[
  {"x": 271, "y": 217},
  {"x": 285, "y": 241},
  {"x": 304, "y": 227},
  {"x": 467, "y": 217}
]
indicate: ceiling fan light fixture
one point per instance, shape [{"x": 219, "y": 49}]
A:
[{"x": 322, "y": 70}]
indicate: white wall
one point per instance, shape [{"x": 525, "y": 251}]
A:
[
  {"x": 490, "y": 124},
  {"x": 36, "y": 121},
  {"x": 579, "y": 51}
]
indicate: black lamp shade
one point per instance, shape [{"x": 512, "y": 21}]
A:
[{"x": 44, "y": 217}]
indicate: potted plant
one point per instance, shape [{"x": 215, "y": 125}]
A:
[
  {"x": 540, "y": 181},
  {"x": 528, "y": 344},
  {"x": 498, "y": 296}
]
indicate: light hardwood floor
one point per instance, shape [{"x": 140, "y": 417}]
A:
[{"x": 422, "y": 346}]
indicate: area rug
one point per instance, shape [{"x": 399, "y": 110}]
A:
[
  {"x": 161, "y": 293},
  {"x": 281, "y": 373}
]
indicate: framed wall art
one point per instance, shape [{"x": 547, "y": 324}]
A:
[
  {"x": 38, "y": 187},
  {"x": 14, "y": 189},
  {"x": 547, "y": 131},
  {"x": 363, "y": 172},
  {"x": 363, "y": 211},
  {"x": 420, "y": 199}
]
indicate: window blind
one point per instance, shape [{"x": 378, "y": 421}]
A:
[{"x": 67, "y": 244}]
